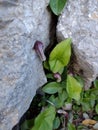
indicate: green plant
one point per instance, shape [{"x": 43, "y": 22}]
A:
[
  {"x": 60, "y": 92},
  {"x": 44, "y": 121},
  {"x": 64, "y": 100},
  {"x": 60, "y": 56},
  {"x": 57, "y": 6}
]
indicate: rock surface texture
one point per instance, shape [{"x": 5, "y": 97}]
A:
[
  {"x": 79, "y": 21},
  {"x": 22, "y": 22}
]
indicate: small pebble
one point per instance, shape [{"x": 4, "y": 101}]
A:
[{"x": 85, "y": 115}]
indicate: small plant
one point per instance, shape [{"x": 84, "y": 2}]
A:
[{"x": 65, "y": 105}]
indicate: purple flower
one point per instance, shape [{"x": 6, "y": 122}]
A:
[
  {"x": 38, "y": 46},
  {"x": 57, "y": 76}
]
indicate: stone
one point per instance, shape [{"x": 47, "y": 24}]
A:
[
  {"x": 22, "y": 22},
  {"x": 95, "y": 126},
  {"x": 79, "y": 21}
]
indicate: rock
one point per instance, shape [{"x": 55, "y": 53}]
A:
[
  {"x": 85, "y": 116},
  {"x": 95, "y": 126},
  {"x": 79, "y": 21},
  {"x": 22, "y": 22}
]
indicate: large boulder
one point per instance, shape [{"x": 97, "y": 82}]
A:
[
  {"x": 79, "y": 21},
  {"x": 22, "y": 22}
]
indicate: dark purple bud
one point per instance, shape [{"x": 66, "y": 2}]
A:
[
  {"x": 57, "y": 76},
  {"x": 38, "y": 46}
]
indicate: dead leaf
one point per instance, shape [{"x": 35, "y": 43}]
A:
[{"x": 89, "y": 122}]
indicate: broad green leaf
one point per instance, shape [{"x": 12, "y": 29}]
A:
[
  {"x": 57, "y": 6},
  {"x": 96, "y": 108},
  {"x": 56, "y": 123},
  {"x": 74, "y": 88},
  {"x": 51, "y": 88},
  {"x": 44, "y": 121},
  {"x": 71, "y": 126},
  {"x": 61, "y": 70},
  {"x": 60, "y": 56}
]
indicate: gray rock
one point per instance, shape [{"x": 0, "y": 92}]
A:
[
  {"x": 79, "y": 21},
  {"x": 95, "y": 126},
  {"x": 22, "y": 22},
  {"x": 85, "y": 116}
]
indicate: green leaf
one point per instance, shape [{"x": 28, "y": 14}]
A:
[
  {"x": 71, "y": 126},
  {"x": 49, "y": 76},
  {"x": 82, "y": 127},
  {"x": 96, "y": 83},
  {"x": 80, "y": 80},
  {"x": 27, "y": 124},
  {"x": 52, "y": 99},
  {"x": 57, "y": 6},
  {"x": 46, "y": 65},
  {"x": 86, "y": 104},
  {"x": 51, "y": 88},
  {"x": 56, "y": 123},
  {"x": 60, "y": 56},
  {"x": 61, "y": 70},
  {"x": 92, "y": 96},
  {"x": 74, "y": 88},
  {"x": 63, "y": 96},
  {"x": 44, "y": 121},
  {"x": 88, "y": 101},
  {"x": 96, "y": 108},
  {"x": 93, "y": 91},
  {"x": 56, "y": 101},
  {"x": 92, "y": 103}
]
